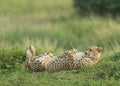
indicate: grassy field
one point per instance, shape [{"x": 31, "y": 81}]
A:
[{"x": 52, "y": 25}]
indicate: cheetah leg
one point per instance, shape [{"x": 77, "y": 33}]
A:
[
  {"x": 28, "y": 57},
  {"x": 32, "y": 50},
  {"x": 30, "y": 54}
]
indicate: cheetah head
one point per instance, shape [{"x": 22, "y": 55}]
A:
[{"x": 93, "y": 52}]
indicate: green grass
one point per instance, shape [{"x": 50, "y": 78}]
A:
[{"x": 52, "y": 25}]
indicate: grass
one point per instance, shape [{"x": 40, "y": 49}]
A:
[{"x": 54, "y": 26}]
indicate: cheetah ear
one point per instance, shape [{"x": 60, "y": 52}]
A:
[{"x": 100, "y": 49}]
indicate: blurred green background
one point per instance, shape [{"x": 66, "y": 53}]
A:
[{"x": 54, "y": 25}]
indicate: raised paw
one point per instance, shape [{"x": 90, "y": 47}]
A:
[
  {"x": 32, "y": 49},
  {"x": 28, "y": 57}
]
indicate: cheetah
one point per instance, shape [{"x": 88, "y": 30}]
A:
[{"x": 68, "y": 60}]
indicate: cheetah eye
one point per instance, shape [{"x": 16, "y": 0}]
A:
[{"x": 90, "y": 49}]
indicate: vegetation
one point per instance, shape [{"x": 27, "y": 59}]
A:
[
  {"x": 101, "y": 7},
  {"x": 54, "y": 26}
]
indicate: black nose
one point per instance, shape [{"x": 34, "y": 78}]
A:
[{"x": 85, "y": 53}]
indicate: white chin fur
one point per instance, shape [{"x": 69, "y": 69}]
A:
[{"x": 78, "y": 56}]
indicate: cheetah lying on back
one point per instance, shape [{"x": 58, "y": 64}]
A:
[{"x": 71, "y": 59}]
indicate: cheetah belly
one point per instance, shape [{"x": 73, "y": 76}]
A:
[
  {"x": 78, "y": 56},
  {"x": 42, "y": 58}
]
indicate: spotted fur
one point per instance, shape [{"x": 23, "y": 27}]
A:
[{"x": 71, "y": 59}]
